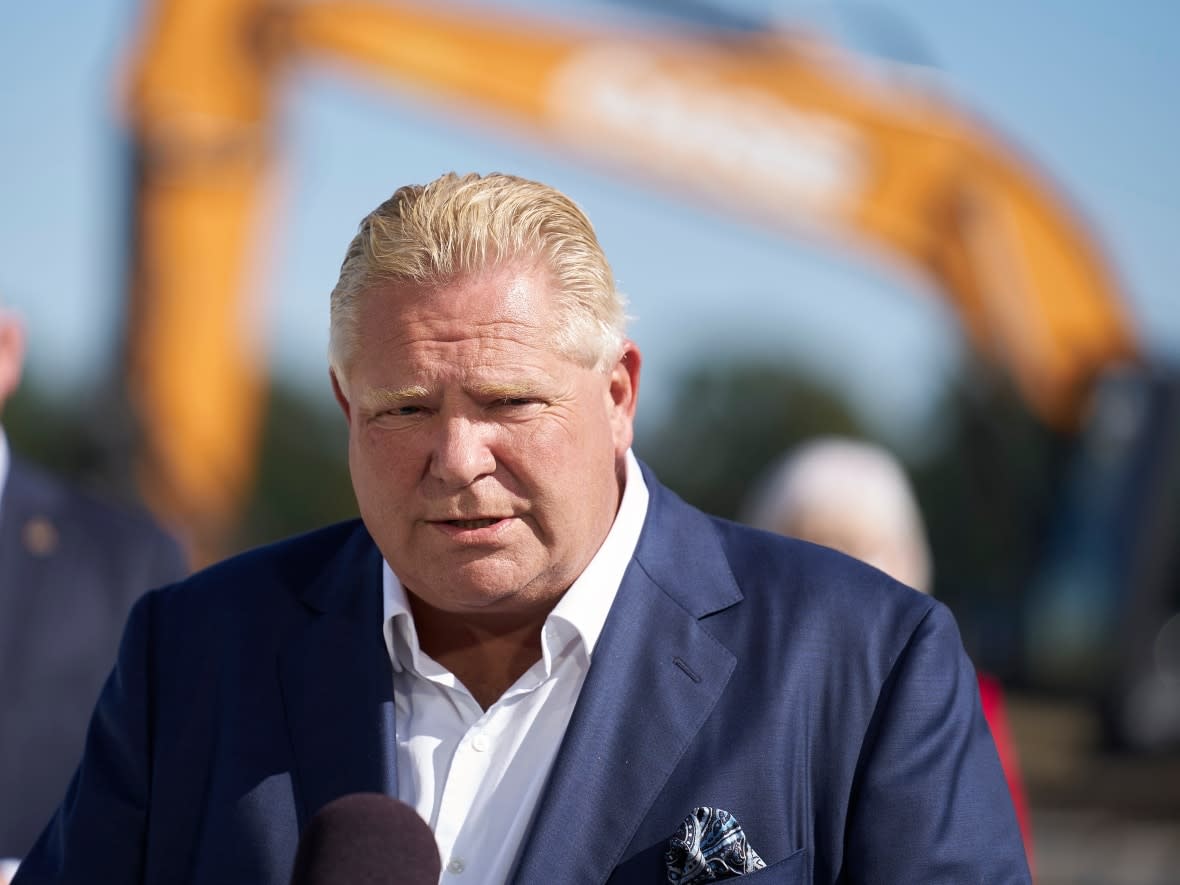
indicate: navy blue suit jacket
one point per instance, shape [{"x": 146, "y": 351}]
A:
[
  {"x": 70, "y": 568},
  {"x": 832, "y": 710}
]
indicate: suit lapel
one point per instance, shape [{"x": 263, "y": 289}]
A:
[
  {"x": 21, "y": 503},
  {"x": 656, "y": 675},
  {"x": 337, "y": 686}
]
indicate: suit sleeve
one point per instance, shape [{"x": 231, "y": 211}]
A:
[
  {"x": 929, "y": 801},
  {"x": 98, "y": 832}
]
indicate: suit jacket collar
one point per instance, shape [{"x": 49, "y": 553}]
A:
[
  {"x": 12, "y": 516},
  {"x": 680, "y": 550},
  {"x": 27, "y": 488},
  {"x": 656, "y": 675},
  {"x": 337, "y": 683},
  {"x": 27, "y": 494}
]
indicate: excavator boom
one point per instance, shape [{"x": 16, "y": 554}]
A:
[{"x": 775, "y": 126}]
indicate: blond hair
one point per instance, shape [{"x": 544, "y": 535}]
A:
[{"x": 461, "y": 225}]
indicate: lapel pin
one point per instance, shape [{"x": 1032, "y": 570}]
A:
[{"x": 40, "y": 536}]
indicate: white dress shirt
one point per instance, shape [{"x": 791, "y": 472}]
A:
[{"x": 475, "y": 776}]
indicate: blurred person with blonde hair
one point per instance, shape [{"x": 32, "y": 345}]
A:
[
  {"x": 855, "y": 497},
  {"x": 70, "y": 568}
]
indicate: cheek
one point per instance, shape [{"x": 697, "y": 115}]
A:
[
  {"x": 552, "y": 449},
  {"x": 380, "y": 466},
  {"x": 567, "y": 460}
]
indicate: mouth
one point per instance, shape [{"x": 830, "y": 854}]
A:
[
  {"x": 478, "y": 532},
  {"x": 472, "y": 523}
]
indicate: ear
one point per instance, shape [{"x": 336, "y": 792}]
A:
[
  {"x": 624, "y": 394},
  {"x": 341, "y": 396},
  {"x": 12, "y": 354}
]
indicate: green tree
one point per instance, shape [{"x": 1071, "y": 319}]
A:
[{"x": 729, "y": 420}]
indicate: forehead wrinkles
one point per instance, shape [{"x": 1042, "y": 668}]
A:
[
  {"x": 438, "y": 351},
  {"x": 497, "y": 352},
  {"x": 501, "y": 315},
  {"x": 427, "y": 330}
]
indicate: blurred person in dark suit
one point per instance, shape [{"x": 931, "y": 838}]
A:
[
  {"x": 71, "y": 567},
  {"x": 855, "y": 497}
]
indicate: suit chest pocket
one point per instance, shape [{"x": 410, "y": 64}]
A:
[{"x": 791, "y": 870}]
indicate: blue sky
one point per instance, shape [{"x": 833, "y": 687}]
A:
[{"x": 1085, "y": 89}]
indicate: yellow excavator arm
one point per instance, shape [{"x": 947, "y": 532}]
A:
[{"x": 779, "y": 127}]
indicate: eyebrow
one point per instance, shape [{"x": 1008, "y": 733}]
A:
[
  {"x": 504, "y": 390},
  {"x": 379, "y": 398}
]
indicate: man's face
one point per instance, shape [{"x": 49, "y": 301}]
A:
[{"x": 487, "y": 466}]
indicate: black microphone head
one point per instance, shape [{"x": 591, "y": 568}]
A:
[{"x": 366, "y": 839}]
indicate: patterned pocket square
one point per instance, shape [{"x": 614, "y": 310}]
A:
[{"x": 710, "y": 845}]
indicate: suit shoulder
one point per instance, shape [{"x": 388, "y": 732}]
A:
[
  {"x": 819, "y": 583},
  {"x": 807, "y": 609},
  {"x": 289, "y": 564}
]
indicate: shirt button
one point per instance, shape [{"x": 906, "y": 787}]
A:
[
  {"x": 479, "y": 743},
  {"x": 456, "y": 865}
]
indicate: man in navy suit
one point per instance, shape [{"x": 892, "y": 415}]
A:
[
  {"x": 70, "y": 568},
  {"x": 572, "y": 675}
]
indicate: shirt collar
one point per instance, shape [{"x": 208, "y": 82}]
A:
[{"x": 581, "y": 612}]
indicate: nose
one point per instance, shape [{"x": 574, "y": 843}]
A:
[{"x": 462, "y": 452}]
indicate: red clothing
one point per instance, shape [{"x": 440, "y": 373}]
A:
[{"x": 992, "y": 696}]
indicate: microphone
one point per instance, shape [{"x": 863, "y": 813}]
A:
[{"x": 366, "y": 839}]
